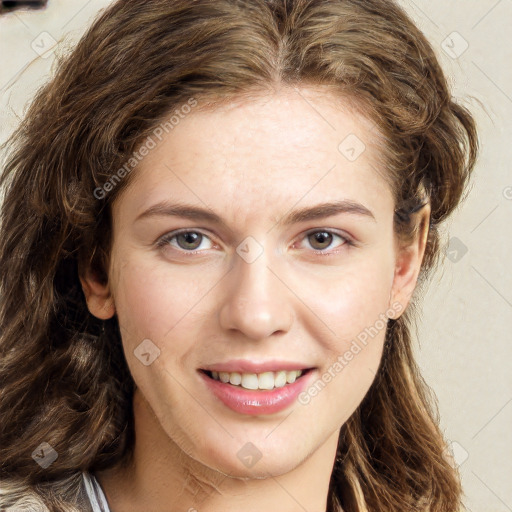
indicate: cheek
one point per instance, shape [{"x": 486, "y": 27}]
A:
[
  {"x": 351, "y": 298},
  {"x": 151, "y": 296},
  {"x": 355, "y": 310},
  {"x": 156, "y": 303},
  {"x": 354, "y": 304}
]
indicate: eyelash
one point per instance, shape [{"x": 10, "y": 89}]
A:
[{"x": 166, "y": 239}]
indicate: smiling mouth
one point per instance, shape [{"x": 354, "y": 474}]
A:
[{"x": 264, "y": 381}]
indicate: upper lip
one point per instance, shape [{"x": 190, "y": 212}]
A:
[{"x": 247, "y": 366}]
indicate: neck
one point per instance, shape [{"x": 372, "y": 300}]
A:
[{"x": 162, "y": 475}]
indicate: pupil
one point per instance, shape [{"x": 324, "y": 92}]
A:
[
  {"x": 189, "y": 238},
  {"x": 322, "y": 237}
]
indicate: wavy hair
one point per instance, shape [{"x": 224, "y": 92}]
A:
[{"x": 63, "y": 376}]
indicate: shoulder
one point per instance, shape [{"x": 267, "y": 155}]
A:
[
  {"x": 70, "y": 493},
  {"x": 17, "y": 496}
]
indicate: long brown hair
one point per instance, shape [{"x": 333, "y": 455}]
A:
[{"x": 63, "y": 377}]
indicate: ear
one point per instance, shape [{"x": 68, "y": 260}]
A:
[
  {"x": 409, "y": 258},
  {"x": 99, "y": 299}
]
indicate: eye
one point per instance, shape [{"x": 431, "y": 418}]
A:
[
  {"x": 190, "y": 240},
  {"x": 321, "y": 239},
  {"x": 186, "y": 240}
]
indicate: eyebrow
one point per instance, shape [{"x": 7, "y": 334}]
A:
[{"x": 319, "y": 211}]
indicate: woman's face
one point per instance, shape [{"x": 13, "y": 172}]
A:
[{"x": 255, "y": 282}]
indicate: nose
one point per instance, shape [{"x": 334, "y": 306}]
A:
[{"x": 257, "y": 302}]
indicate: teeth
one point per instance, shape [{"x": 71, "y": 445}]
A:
[
  {"x": 291, "y": 376},
  {"x": 265, "y": 380},
  {"x": 235, "y": 378},
  {"x": 249, "y": 381},
  {"x": 280, "y": 379}
]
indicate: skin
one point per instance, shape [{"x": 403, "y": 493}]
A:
[{"x": 251, "y": 162}]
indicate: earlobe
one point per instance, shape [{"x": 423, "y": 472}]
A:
[
  {"x": 409, "y": 259},
  {"x": 99, "y": 299}
]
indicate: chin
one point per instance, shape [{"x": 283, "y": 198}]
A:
[{"x": 247, "y": 460}]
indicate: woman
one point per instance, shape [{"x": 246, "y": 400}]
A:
[{"x": 215, "y": 218}]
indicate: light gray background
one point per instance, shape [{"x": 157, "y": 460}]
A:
[{"x": 465, "y": 344}]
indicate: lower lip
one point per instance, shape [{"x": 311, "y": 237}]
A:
[{"x": 257, "y": 402}]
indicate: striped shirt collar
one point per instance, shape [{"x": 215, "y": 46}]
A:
[{"x": 95, "y": 493}]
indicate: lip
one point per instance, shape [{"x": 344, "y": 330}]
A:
[
  {"x": 248, "y": 366},
  {"x": 256, "y": 402}
]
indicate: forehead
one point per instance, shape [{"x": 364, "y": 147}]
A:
[{"x": 273, "y": 149}]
